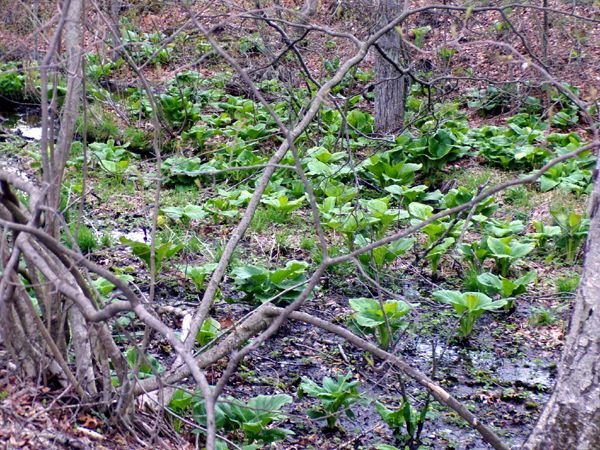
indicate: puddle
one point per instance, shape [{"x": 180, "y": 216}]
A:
[
  {"x": 537, "y": 376},
  {"x": 24, "y": 122},
  {"x": 424, "y": 353},
  {"x": 31, "y": 133},
  {"x": 139, "y": 235}
]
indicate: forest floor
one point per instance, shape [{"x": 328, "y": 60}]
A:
[{"x": 504, "y": 372}]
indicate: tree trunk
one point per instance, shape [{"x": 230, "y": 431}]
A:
[
  {"x": 571, "y": 419},
  {"x": 72, "y": 104},
  {"x": 46, "y": 341},
  {"x": 310, "y": 8},
  {"x": 390, "y": 90}
]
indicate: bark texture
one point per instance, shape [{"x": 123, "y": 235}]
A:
[
  {"x": 571, "y": 419},
  {"x": 72, "y": 104},
  {"x": 390, "y": 90},
  {"x": 310, "y": 8}
]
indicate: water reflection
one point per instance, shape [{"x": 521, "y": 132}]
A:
[{"x": 24, "y": 122}]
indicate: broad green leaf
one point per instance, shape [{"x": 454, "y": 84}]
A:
[
  {"x": 420, "y": 210},
  {"x": 498, "y": 247},
  {"x": 291, "y": 271},
  {"x": 147, "y": 367},
  {"x": 394, "y": 309},
  {"x": 574, "y": 219},
  {"x": 329, "y": 385},
  {"x": 316, "y": 167},
  {"x": 180, "y": 400},
  {"x": 508, "y": 287},
  {"x": 247, "y": 272},
  {"x": 103, "y": 286},
  {"x": 449, "y": 297},
  {"x": 496, "y": 304},
  {"x": 364, "y": 305},
  {"x": 198, "y": 273},
  {"x": 208, "y": 331},
  {"x": 163, "y": 250},
  {"x": 527, "y": 278},
  {"x": 309, "y": 387},
  {"x": 491, "y": 280},
  {"x": 194, "y": 212},
  {"x": 283, "y": 203},
  {"x": 222, "y": 445},
  {"x": 377, "y": 206},
  {"x": 269, "y": 403},
  {"x": 475, "y": 300},
  {"x": 502, "y": 229},
  {"x": 519, "y": 250},
  {"x": 439, "y": 145},
  {"x": 329, "y": 204},
  {"x": 173, "y": 212},
  {"x": 401, "y": 246}
]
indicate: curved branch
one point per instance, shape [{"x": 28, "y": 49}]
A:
[{"x": 440, "y": 394}]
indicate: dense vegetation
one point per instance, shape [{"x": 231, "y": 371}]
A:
[{"x": 459, "y": 259}]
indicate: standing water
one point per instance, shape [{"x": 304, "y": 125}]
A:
[{"x": 24, "y": 122}]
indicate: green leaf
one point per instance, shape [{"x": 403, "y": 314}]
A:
[
  {"x": 377, "y": 206},
  {"x": 475, "y": 300},
  {"x": 420, "y": 210},
  {"x": 439, "y": 145},
  {"x": 207, "y": 332},
  {"x": 292, "y": 271},
  {"x": 394, "y": 419},
  {"x": 222, "y": 445},
  {"x": 379, "y": 318},
  {"x": 173, "y": 212},
  {"x": 261, "y": 284},
  {"x": 309, "y": 387},
  {"x": 369, "y": 312},
  {"x": 502, "y": 229},
  {"x": 198, "y": 273},
  {"x": 508, "y": 288},
  {"x": 316, "y": 167},
  {"x": 103, "y": 286},
  {"x": 194, "y": 212},
  {"x": 333, "y": 394},
  {"x": 316, "y": 413},
  {"x": 438, "y": 251},
  {"x": 328, "y": 204},
  {"x": 490, "y": 280},
  {"x": 283, "y": 203},
  {"x": 249, "y": 272},
  {"x": 529, "y": 277},
  {"x": 163, "y": 251},
  {"x": 520, "y": 250},
  {"x": 271, "y": 403},
  {"x": 498, "y": 247},
  {"x": 180, "y": 400},
  {"x": 253, "y": 418},
  {"x": 401, "y": 246},
  {"x": 449, "y": 297},
  {"x": 468, "y": 306},
  {"x": 496, "y": 304},
  {"x": 148, "y": 366}
]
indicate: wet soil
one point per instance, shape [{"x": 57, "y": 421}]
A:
[{"x": 504, "y": 372}]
